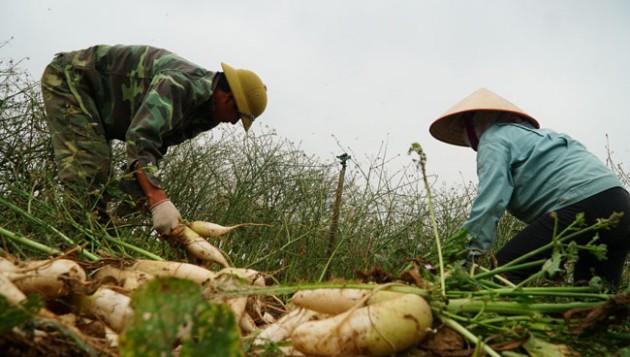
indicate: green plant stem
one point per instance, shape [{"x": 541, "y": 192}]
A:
[
  {"x": 559, "y": 239},
  {"x": 538, "y": 323},
  {"x": 468, "y": 335},
  {"x": 133, "y": 248},
  {"x": 420, "y": 152},
  {"x": 566, "y": 292},
  {"x": 29, "y": 243},
  {"x": 50, "y": 228},
  {"x": 506, "y": 268},
  {"x": 275, "y": 252},
  {"x": 514, "y": 264},
  {"x": 325, "y": 271},
  {"x": 468, "y": 305}
]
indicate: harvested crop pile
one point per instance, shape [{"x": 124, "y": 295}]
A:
[{"x": 65, "y": 306}]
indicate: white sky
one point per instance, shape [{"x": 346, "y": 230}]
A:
[{"x": 366, "y": 74}]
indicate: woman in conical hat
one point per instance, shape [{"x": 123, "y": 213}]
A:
[{"x": 533, "y": 172}]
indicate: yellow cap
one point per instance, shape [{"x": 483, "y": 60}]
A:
[{"x": 249, "y": 93}]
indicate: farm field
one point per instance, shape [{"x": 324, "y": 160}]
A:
[{"x": 74, "y": 285}]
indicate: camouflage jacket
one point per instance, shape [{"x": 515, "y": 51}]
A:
[{"x": 147, "y": 97}]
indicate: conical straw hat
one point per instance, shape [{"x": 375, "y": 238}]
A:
[{"x": 449, "y": 127}]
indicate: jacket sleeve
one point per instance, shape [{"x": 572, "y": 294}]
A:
[
  {"x": 494, "y": 192},
  {"x": 162, "y": 109}
]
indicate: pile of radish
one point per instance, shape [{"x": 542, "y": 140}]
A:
[{"x": 323, "y": 322}]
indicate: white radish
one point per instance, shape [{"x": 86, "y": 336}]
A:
[
  {"x": 71, "y": 319},
  {"x": 109, "y": 306},
  {"x": 227, "y": 282},
  {"x": 125, "y": 278},
  {"x": 7, "y": 266},
  {"x": 213, "y": 230},
  {"x": 335, "y": 301},
  {"x": 268, "y": 318},
  {"x": 198, "y": 246},
  {"x": 51, "y": 278},
  {"x": 14, "y": 296},
  {"x": 253, "y": 276},
  {"x": 11, "y": 292},
  {"x": 174, "y": 269},
  {"x": 247, "y": 324},
  {"x": 381, "y": 329},
  {"x": 284, "y": 326}
]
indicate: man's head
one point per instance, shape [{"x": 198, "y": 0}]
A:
[{"x": 247, "y": 96}]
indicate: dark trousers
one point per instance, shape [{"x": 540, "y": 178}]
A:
[{"x": 540, "y": 232}]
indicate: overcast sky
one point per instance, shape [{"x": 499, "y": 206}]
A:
[{"x": 371, "y": 74}]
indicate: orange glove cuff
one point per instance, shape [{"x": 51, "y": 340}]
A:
[{"x": 155, "y": 195}]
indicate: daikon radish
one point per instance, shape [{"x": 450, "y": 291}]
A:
[
  {"x": 11, "y": 292},
  {"x": 268, "y": 318},
  {"x": 284, "y": 326},
  {"x": 14, "y": 296},
  {"x": 109, "y": 306},
  {"x": 253, "y": 276},
  {"x": 174, "y": 269},
  {"x": 247, "y": 324},
  {"x": 198, "y": 246},
  {"x": 336, "y": 301},
  {"x": 72, "y": 319},
  {"x": 226, "y": 282},
  {"x": 213, "y": 230},
  {"x": 7, "y": 266},
  {"x": 127, "y": 279},
  {"x": 381, "y": 329},
  {"x": 238, "y": 305},
  {"x": 51, "y": 278}
]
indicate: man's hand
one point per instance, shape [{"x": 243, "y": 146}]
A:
[{"x": 165, "y": 217}]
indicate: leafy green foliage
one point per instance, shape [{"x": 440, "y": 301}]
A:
[
  {"x": 22, "y": 315},
  {"x": 169, "y": 310}
]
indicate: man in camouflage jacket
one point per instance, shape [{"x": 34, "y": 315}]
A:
[{"x": 147, "y": 97}]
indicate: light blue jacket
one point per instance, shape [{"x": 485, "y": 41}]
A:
[{"x": 530, "y": 172}]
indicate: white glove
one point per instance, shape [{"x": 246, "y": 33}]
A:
[{"x": 165, "y": 217}]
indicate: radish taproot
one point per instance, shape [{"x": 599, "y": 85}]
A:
[
  {"x": 198, "y": 246},
  {"x": 335, "y": 301},
  {"x": 127, "y": 279},
  {"x": 284, "y": 326},
  {"x": 51, "y": 278},
  {"x": 7, "y": 266},
  {"x": 250, "y": 275},
  {"x": 213, "y": 230},
  {"x": 109, "y": 306},
  {"x": 174, "y": 269},
  {"x": 379, "y": 329},
  {"x": 11, "y": 292}
]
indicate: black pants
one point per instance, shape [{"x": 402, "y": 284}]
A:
[{"x": 540, "y": 232}]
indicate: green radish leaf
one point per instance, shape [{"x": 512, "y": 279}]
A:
[
  {"x": 169, "y": 312},
  {"x": 553, "y": 265}
]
